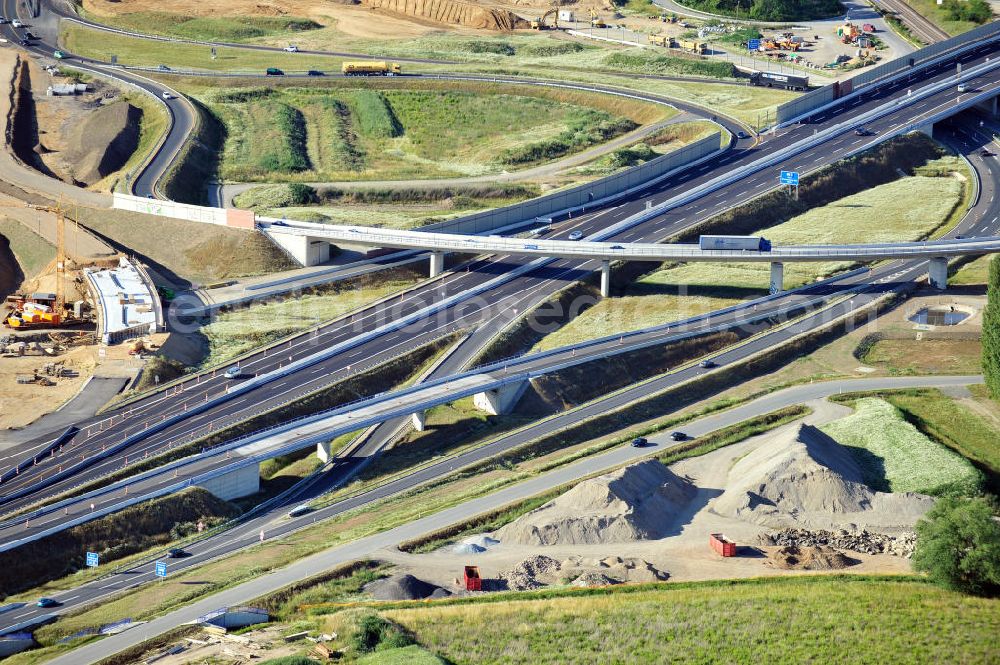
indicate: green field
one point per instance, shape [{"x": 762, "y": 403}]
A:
[
  {"x": 897, "y": 457},
  {"x": 238, "y": 331},
  {"x": 328, "y": 134},
  {"x": 908, "y": 209},
  {"x": 809, "y": 619},
  {"x": 943, "y": 17},
  {"x": 937, "y": 356},
  {"x": 204, "y": 28}
]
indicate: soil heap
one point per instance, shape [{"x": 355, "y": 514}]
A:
[
  {"x": 815, "y": 557},
  {"x": 103, "y": 143},
  {"x": 637, "y": 502},
  {"x": 804, "y": 479},
  {"x": 403, "y": 587},
  {"x": 454, "y": 12}
]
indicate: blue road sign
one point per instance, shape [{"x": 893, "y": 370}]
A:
[
  {"x": 789, "y": 178},
  {"x": 92, "y": 559},
  {"x": 161, "y": 569},
  {"x": 753, "y": 45}
]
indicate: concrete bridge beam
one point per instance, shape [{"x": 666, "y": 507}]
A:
[
  {"x": 938, "y": 272},
  {"x": 501, "y": 400},
  {"x": 777, "y": 277},
  {"x": 240, "y": 482}
]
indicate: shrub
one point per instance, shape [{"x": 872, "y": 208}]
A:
[
  {"x": 991, "y": 331},
  {"x": 976, "y": 11},
  {"x": 374, "y": 632},
  {"x": 483, "y": 46},
  {"x": 958, "y": 546}
]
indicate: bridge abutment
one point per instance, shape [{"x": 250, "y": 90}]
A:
[
  {"x": 938, "y": 272},
  {"x": 237, "y": 483},
  {"x": 777, "y": 277},
  {"x": 501, "y": 400}
]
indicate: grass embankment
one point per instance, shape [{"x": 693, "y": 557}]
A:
[
  {"x": 31, "y": 250},
  {"x": 932, "y": 356},
  {"x": 659, "y": 143},
  {"x": 400, "y": 208},
  {"x": 954, "y": 16},
  {"x": 769, "y": 10},
  {"x": 896, "y": 457},
  {"x": 114, "y": 537},
  {"x": 968, "y": 425},
  {"x": 206, "y": 28},
  {"x": 910, "y": 207},
  {"x": 331, "y": 133},
  {"x": 792, "y": 619},
  {"x": 235, "y": 332}
]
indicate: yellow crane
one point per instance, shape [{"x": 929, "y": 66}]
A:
[{"x": 55, "y": 317}]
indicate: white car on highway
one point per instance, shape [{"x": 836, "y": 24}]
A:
[
  {"x": 167, "y": 95},
  {"x": 292, "y": 48},
  {"x": 16, "y": 23}
]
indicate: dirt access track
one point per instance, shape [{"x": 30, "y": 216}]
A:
[{"x": 357, "y": 20}]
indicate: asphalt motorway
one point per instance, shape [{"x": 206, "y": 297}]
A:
[
  {"x": 894, "y": 276},
  {"x": 490, "y": 311},
  {"x": 247, "y": 591}
]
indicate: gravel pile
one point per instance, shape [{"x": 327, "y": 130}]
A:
[
  {"x": 863, "y": 541},
  {"x": 532, "y": 573},
  {"x": 467, "y": 548},
  {"x": 638, "y": 502},
  {"x": 402, "y": 587},
  {"x": 595, "y": 579},
  {"x": 805, "y": 479},
  {"x": 815, "y": 557}
]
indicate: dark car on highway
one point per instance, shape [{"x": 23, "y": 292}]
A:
[
  {"x": 48, "y": 602},
  {"x": 678, "y": 436},
  {"x": 274, "y": 71},
  {"x": 315, "y": 72},
  {"x": 177, "y": 553},
  {"x": 640, "y": 442},
  {"x": 707, "y": 364}
]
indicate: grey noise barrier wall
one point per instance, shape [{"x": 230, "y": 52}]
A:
[
  {"x": 581, "y": 195},
  {"x": 827, "y": 94}
]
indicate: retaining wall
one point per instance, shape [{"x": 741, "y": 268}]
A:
[{"x": 242, "y": 219}]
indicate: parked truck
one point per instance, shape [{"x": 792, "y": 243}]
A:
[
  {"x": 665, "y": 41},
  {"x": 745, "y": 243},
  {"x": 694, "y": 46},
  {"x": 370, "y": 68},
  {"x": 773, "y": 80}
]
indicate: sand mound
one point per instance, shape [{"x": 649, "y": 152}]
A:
[
  {"x": 453, "y": 12},
  {"x": 634, "y": 503},
  {"x": 402, "y": 587},
  {"x": 803, "y": 478},
  {"x": 816, "y": 557}
]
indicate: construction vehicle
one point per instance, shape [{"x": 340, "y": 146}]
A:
[
  {"x": 595, "y": 20},
  {"x": 786, "y": 81},
  {"x": 373, "y": 68},
  {"x": 666, "y": 41},
  {"x": 693, "y": 46},
  {"x": 539, "y": 23},
  {"x": 49, "y": 309}
]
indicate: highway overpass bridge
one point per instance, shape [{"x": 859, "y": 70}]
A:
[{"x": 936, "y": 252}]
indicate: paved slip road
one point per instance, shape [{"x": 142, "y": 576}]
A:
[
  {"x": 363, "y": 547},
  {"x": 273, "y": 522},
  {"x": 499, "y": 305}
]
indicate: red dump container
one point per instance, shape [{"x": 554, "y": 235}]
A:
[
  {"x": 473, "y": 582},
  {"x": 722, "y": 545}
]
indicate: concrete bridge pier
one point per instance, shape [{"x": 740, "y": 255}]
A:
[
  {"x": 501, "y": 400},
  {"x": 237, "y": 483},
  {"x": 419, "y": 420},
  {"x": 938, "y": 272},
  {"x": 927, "y": 129},
  {"x": 777, "y": 277},
  {"x": 605, "y": 278},
  {"x": 437, "y": 263}
]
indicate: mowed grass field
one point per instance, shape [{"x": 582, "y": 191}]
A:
[
  {"x": 237, "y": 331},
  {"x": 910, "y": 208},
  {"x": 840, "y": 619},
  {"x": 898, "y": 457},
  {"x": 207, "y": 28},
  {"x": 363, "y": 133}
]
